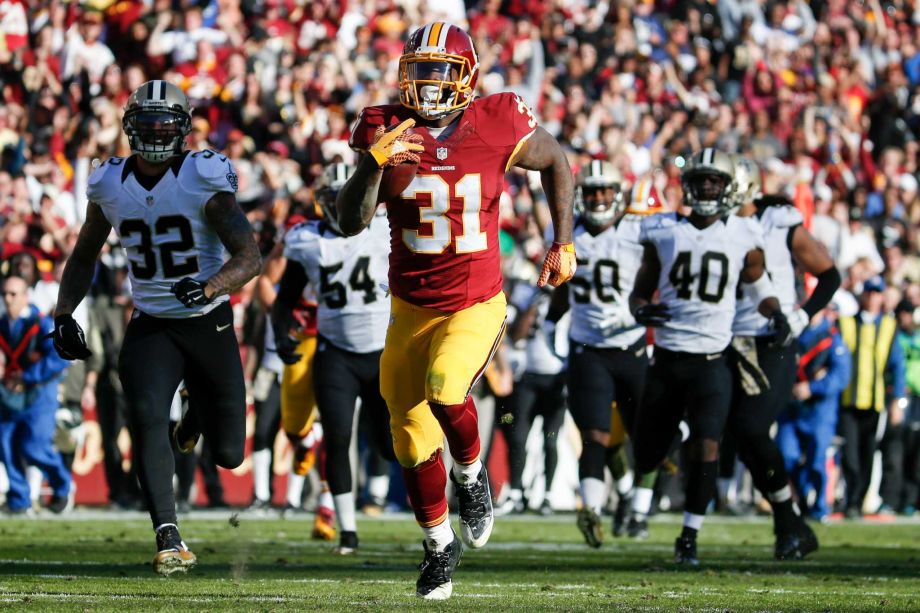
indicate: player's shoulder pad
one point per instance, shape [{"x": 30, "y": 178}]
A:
[
  {"x": 369, "y": 119},
  {"x": 785, "y": 216},
  {"x": 747, "y": 230},
  {"x": 101, "y": 175},
  {"x": 503, "y": 119},
  {"x": 212, "y": 171},
  {"x": 302, "y": 238}
]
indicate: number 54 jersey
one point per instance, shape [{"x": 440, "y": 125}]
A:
[
  {"x": 699, "y": 276},
  {"x": 164, "y": 230},
  {"x": 444, "y": 226},
  {"x": 347, "y": 272}
]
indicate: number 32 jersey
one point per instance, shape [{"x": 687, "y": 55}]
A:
[
  {"x": 699, "y": 277},
  {"x": 164, "y": 230},
  {"x": 444, "y": 226},
  {"x": 347, "y": 271}
]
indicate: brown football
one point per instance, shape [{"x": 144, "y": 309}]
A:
[{"x": 396, "y": 179}]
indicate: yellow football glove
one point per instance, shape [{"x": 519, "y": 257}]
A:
[
  {"x": 394, "y": 146},
  {"x": 559, "y": 265}
]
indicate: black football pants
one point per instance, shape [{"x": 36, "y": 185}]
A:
[
  {"x": 157, "y": 354},
  {"x": 534, "y": 395}
]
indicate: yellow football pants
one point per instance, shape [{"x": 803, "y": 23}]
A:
[
  {"x": 433, "y": 356},
  {"x": 298, "y": 402}
]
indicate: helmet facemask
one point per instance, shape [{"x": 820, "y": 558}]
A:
[
  {"x": 707, "y": 191},
  {"x": 598, "y": 204},
  {"x": 434, "y": 84},
  {"x": 156, "y": 134}
]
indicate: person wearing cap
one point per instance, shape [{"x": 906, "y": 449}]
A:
[
  {"x": 877, "y": 384},
  {"x": 807, "y": 426}
]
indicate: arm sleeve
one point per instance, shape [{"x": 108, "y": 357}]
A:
[
  {"x": 828, "y": 282},
  {"x": 838, "y": 371}
]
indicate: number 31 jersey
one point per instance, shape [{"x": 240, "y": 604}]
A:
[
  {"x": 444, "y": 226},
  {"x": 353, "y": 312},
  {"x": 699, "y": 277},
  {"x": 164, "y": 230}
]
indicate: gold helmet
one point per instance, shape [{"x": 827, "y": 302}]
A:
[
  {"x": 157, "y": 120},
  {"x": 708, "y": 181},
  {"x": 604, "y": 183},
  {"x": 438, "y": 70},
  {"x": 747, "y": 181},
  {"x": 327, "y": 188}
]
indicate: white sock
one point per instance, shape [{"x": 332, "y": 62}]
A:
[
  {"x": 295, "y": 489},
  {"x": 625, "y": 484},
  {"x": 780, "y": 495},
  {"x": 593, "y": 493},
  {"x": 642, "y": 502},
  {"x": 262, "y": 473},
  {"x": 325, "y": 498},
  {"x": 693, "y": 521},
  {"x": 308, "y": 440},
  {"x": 379, "y": 486},
  {"x": 440, "y": 536},
  {"x": 345, "y": 512},
  {"x": 467, "y": 473},
  {"x": 35, "y": 477},
  {"x": 515, "y": 495}
]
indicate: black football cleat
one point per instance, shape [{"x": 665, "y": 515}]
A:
[
  {"x": 172, "y": 554},
  {"x": 348, "y": 544},
  {"x": 685, "y": 551},
  {"x": 620, "y": 515},
  {"x": 795, "y": 544},
  {"x": 476, "y": 517},
  {"x": 637, "y": 529},
  {"x": 185, "y": 438},
  {"x": 435, "y": 580},
  {"x": 589, "y": 524}
]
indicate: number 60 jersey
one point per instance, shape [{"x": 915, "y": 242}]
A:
[
  {"x": 164, "y": 230},
  {"x": 444, "y": 226},
  {"x": 699, "y": 277}
]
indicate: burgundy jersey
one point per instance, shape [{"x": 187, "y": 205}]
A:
[{"x": 444, "y": 226}]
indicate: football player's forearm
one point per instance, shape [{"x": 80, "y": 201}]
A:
[
  {"x": 769, "y": 306},
  {"x": 357, "y": 201},
  {"x": 75, "y": 283},
  {"x": 235, "y": 273},
  {"x": 560, "y": 193},
  {"x": 235, "y": 233}
]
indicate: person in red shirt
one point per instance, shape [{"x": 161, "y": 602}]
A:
[{"x": 448, "y": 309}]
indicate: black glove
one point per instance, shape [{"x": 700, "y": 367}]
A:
[
  {"x": 782, "y": 331},
  {"x": 286, "y": 347},
  {"x": 69, "y": 340},
  {"x": 190, "y": 292},
  {"x": 652, "y": 315}
]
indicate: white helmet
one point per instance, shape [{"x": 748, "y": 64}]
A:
[
  {"x": 157, "y": 120},
  {"x": 599, "y": 175},
  {"x": 747, "y": 181},
  {"x": 327, "y": 188},
  {"x": 708, "y": 164}
]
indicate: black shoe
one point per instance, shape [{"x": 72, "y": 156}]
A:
[
  {"x": 434, "y": 583},
  {"x": 348, "y": 543},
  {"x": 259, "y": 507},
  {"x": 637, "y": 529},
  {"x": 853, "y": 513},
  {"x": 795, "y": 544},
  {"x": 183, "y": 507},
  {"x": 172, "y": 554},
  {"x": 476, "y": 518},
  {"x": 185, "y": 437},
  {"x": 620, "y": 514},
  {"x": 60, "y": 504},
  {"x": 685, "y": 551}
]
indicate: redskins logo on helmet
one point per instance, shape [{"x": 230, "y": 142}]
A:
[
  {"x": 598, "y": 193},
  {"x": 157, "y": 119},
  {"x": 438, "y": 70},
  {"x": 708, "y": 181},
  {"x": 644, "y": 198},
  {"x": 747, "y": 181},
  {"x": 327, "y": 188}
]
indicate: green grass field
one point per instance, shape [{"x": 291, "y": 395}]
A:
[{"x": 103, "y": 563}]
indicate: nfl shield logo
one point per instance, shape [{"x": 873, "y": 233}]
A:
[{"x": 441, "y": 153}]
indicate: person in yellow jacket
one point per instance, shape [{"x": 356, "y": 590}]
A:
[{"x": 877, "y": 384}]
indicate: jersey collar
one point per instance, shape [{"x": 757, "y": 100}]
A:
[{"x": 131, "y": 165}]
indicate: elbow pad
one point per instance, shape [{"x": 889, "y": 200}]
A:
[{"x": 759, "y": 290}]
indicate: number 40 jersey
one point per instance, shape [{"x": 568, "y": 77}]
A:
[
  {"x": 353, "y": 311},
  {"x": 164, "y": 230},
  {"x": 699, "y": 277}
]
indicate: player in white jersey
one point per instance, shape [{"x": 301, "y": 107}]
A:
[
  {"x": 175, "y": 212},
  {"x": 352, "y": 317},
  {"x": 764, "y": 371},
  {"x": 607, "y": 356},
  {"x": 695, "y": 263}
]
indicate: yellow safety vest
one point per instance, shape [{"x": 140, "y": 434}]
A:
[{"x": 869, "y": 344}]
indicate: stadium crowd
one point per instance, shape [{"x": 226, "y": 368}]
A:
[{"x": 824, "y": 96}]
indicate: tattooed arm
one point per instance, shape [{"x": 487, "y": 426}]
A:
[
  {"x": 231, "y": 225},
  {"x": 541, "y": 152},
  {"x": 81, "y": 265}
]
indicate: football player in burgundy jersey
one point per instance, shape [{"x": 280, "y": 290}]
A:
[{"x": 448, "y": 309}]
